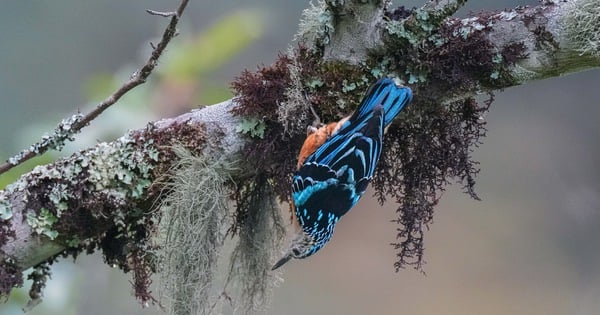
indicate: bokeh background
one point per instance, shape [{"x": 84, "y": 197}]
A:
[{"x": 531, "y": 246}]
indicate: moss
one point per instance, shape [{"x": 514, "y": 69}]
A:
[
  {"x": 315, "y": 25},
  {"x": 10, "y": 277},
  {"x": 582, "y": 25},
  {"x": 443, "y": 134},
  {"x": 193, "y": 224},
  {"x": 38, "y": 276},
  {"x": 101, "y": 198},
  {"x": 260, "y": 235},
  {"x": 116, "y": 172},
  {"x": 342, "y": 89},
  {"x": 192, "y": 137},
  {"x": 455, "y": 57},
  {"x": 544, "y": 39},
  {"x": 430, "y": 144},
  {"x": 6, "y": 231},
  {"x": 258, "y": 95},
  {"x": 79, "y": 196}
]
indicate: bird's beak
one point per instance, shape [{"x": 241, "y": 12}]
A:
[{"x": 282, "y": 261}]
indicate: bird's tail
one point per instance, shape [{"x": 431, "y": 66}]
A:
[{"x": 384, "y": 92}]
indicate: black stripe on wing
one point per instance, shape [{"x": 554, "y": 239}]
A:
[
  {"x": 314, "y": 194},
  {"x": 355, "y": 148}
]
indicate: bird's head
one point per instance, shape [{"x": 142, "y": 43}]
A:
[{"x": 303, "y": 245}]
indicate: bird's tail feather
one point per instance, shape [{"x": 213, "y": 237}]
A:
[{"x": 393, "y": 98}]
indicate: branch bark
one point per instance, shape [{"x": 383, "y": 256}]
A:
[
  {"x": 95, "y": 180},
  {"x": 83, "y": 196}
]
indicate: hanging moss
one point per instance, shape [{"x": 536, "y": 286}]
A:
[
  {"x": 99, "y": 199},
  {"x": 430, "y": 144}
]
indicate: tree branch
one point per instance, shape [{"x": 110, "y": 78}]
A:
[
  {"x": 84, "y": 200},
  {"x": 70, "y": 126},
  {"x": 104, "y": 171}
]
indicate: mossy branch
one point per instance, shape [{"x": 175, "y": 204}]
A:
[{"x": 108, "y": 197}]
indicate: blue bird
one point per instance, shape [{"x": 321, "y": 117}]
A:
[{"x": 331, "y": 180}]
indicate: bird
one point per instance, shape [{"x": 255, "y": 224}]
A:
[{"x": 336, "y": 164}]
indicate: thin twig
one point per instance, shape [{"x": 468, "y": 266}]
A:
[
  {"x": 161, "y": 13},
  {"x": 69, "y": 127}
]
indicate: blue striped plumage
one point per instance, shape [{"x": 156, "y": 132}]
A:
[{"x": 335, "y": 176}]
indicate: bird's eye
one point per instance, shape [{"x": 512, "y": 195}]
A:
[{"x": 296, "y": 252}]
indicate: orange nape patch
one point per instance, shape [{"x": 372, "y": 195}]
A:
[{"x": 316, "y": 138}]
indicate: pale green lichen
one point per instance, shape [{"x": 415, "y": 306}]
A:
[
  {"x": 468, "y": 27},
  {"x": 423, "y": 17},
  {"x": 42, "y": 224},
  {"x": 341, "y": 103},
  {"x": 422, "y": 27},
  {"x": 5, "y": 208},
  {"x": 59, "y": 196},
  {"x": 121, "y": 166},
  {"x": 73, "y": 242},
  {"x": 315, "y": 25},
  {"x": 315, "y": 83},
  {"x": 398, "y": 29},
  {"x": 253, "y": 127},
  {"x": 497, "y": 58},
  {"x": 102, "y": 183},
  {"x": 582, "y": 25},
  {"x": 348, "y": 86},
  {"x": 415, "y": 75},
  {"x": 380, "y": 69},
  {"x": 55, "y": 141}
]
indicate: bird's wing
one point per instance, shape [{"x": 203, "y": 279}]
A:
[{"x": 337, "y": 174}]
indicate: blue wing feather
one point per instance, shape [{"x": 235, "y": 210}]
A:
[
  {"x": 334, "y": 177},
  {"x": 385, "y": 92}
]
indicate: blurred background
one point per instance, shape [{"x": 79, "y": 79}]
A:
[{"x": 531, "y": 246}]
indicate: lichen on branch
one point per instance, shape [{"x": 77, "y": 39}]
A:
[
  {"x": 107, "y": 197},
  {"x": 99, "y": 198}
]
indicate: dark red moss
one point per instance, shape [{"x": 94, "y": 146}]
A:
[
  {"x": 258, "y": 93},
  {"x": 430, "y": 144},
  {"x": 453, "y": 58},
  {"x": 192, "y": 137},
  {"x": 10, "y": 277},
  {"x": 399, "y": 13},
  {"x": 39, "y": 276},
  {"x": 143, "y": 268},
  {"x": 6, "y": 232},
  {"x": 513, "y": 53},
  {"x": 544, "y": 39}
]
